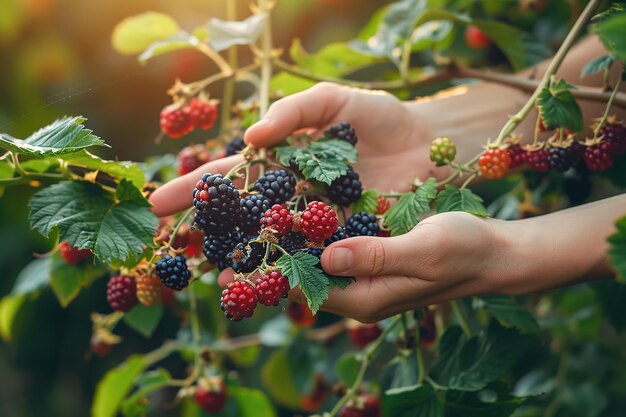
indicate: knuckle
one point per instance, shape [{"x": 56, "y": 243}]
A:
[{"x": 376, "y": 256}]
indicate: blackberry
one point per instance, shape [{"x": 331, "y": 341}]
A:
[
  {"x": 122, "y": 293},
  {"x": 562, "y": 159},
  {"x": 599, "y": 157},
  {"x": 252, "y": 208},
  {"x": 235, "y": 146},
  {"x": 343, "y": 131},
  {"x": 614, "y": 133},
  {"x": 317, "y": 252},
  {"x": 293, "y": 165},
  {"x": 293, "y": 242},
  {"x": 217, "y": 202},
  {"x": 538, "y": 160},
  {"x": 362, "y": 224},
  {"x": 173, "y": 272},
  {"x": 277, "y": 185},
  {"x": 217, "y": 247},
  {"x": 340, "y": 234},
  {"x": 346, "y": 189},
  {"x": 245, "y": 258},
  {"x": 238, "y": 300},
  {"x": 518, "y": 156}
]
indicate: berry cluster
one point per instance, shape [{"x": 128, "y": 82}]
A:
[{"x": 177, "y": 120}]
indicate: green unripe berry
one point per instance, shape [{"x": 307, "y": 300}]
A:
[{"x": 442, "y": 151}]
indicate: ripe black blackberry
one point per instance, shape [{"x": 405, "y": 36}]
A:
[
  {"x": 217, "y": 247},
  {"x": 340, "y": 234},
  {"x": 562, "y": 159},
  {"x": 246, "y": 258},
  {"x": 293, "y": 242},
  {"x": 217, "y": 202},
  {"x": 251, "y": 210},
  {"x": 343, "y": 131},
  {"x": 235, "y": 146},
  {"x": 277, "y": 185},
  {"x": 362, "y": 224},
  {"x": 317, "y": 252},
  {"x": 173, "y": 272},
  {"x": 346, "y": 189}
]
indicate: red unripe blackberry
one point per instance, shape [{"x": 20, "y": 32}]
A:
[
  {"x": 362, "y": 334},
  {"x": 278, "y": 218},
  {"x": 442, "y": 151},
  {"x": 271, "y": 288},
  {"x": 149, "y": 290},
  {"x": 494, "y": 163},
  {"x": 518, "y": 156},
  {"x": 476, "y": 38},
  {"x": 99, "y": 347},
  {"x": 362, "y": 406},
  {"x": 300, "y": 314},
  {"x": 122, "y": 293},
  {"x": 190, "y": 239},
  {"x": 383, "y": 205},
  {"x": 191, "y": 158},
  {"x": 238, "y": 300},
  {"x": 346, "y": 189},
  {"x": 538, "y": 160},
  {"x": 72, "y": 255},
  {"x": 599, "y": 157},
  {"x": 175, "y": 121},
  {"x": 211, "y": 394},
  {"x": 343, "y": 131},
  {"x": 318, "y": 222},
  {"x": 614, "y": 133},
  {"x": 203, "y": 114}
]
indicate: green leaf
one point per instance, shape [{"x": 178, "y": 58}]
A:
[
  {"x": 405, "y": 371},
  {"x": 177, "y": 42},
  {"x": 135, "y": 405},
  {"x": 611, "y": 295},
  {"x": 336, "y": 148},
  {"x": 509, "y": 312},
  {"x": 469, "y": 365},
  {"x": 33, "y": 277},
  {"x": 278, "y": 380},
  {"x": 115, "y": 386},
  {"x": 455, "y": 199},
  {"x": 117, "y": 169},
  {"x": 300, "y": 269},
  {"x": 322, "y": 167},
  {"x": 412, "y": 401},
  {"x": 10, "y": 306},
  {"x": 224, "y": 34},
  {"x": 507, "y": 38},
  {"x": 559, "y": 108},
  {"x": 67, "y": 280},
  {"x": 114, "y": 227},
  {"x": 41, "y": 164},
  {"x": 251, "y": 402},
  {"x": 65, "y": 135},
  {"x": 598, "y": 64},
  {"x": 611, "y": 32},
  {"x": 368, "y": 202},
  {"x": 475, "y": 404},
  {"x": 6, "y": 170},
  {"x": 403, "y": 216},
  {"x": 339, "y": 282},
  {"x": 284, "y": 84},
  {"x": 425, "y": 194},
  {"x": 347, "y": 368},
  {"x": 617, "y": 250},
  {"x": 144, "y": 319},
  {"x": 136, "y": 33},
  {"x": 285, "y": 153}
]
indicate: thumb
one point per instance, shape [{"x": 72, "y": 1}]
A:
[{"x": 369, "y": 256}]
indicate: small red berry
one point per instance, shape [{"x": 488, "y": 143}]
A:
[
  {"x": 538, "y": 160},
  {"x": 271, "y": 288},
  {"x": 362, "y": 334},
  {"x": 278, "y": 218},
  {"x": 122, "y": 293},
  {"x": 614, "y": 132},
  {"x": 383, "y": 205},
  {"x": 300, "y": 314},
  {"x": 99, "y": 347},
  {"x": 318, "y": 222},
  {"x": 476, "y": 38},
  {"x": 518, "y": 156},
  {"x": 175, "y": 122},
  {"x": 494, "y": 163},
  {"x": 191, "y": 158},
  {"x": 72, "y": 255},
  {"x": 203, "y": 114},
  {"x": 211, "y": 394},
  {"x": 238, "y": 300},
  {"x": 599, "y": 157},
  {"x": 361, "y": 406},
  {"x": 149, "y": 290}
]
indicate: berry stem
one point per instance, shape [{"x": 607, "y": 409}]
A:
[
  {"x": 458, "y": 313},
  {"x": 221, "y": 63},
  {"x": 516, "y": 119},
  {"x": 229, "y": 84},
  {"x": 468, "y": 180},
  {"x": 368, "y": 355},
  {"x": 605, "y": 116},
  {"x": 180, "y": 222}
]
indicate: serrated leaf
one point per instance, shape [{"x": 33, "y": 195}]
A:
[
  {"x": 403, "y": 216},
  {"x": 473, "y": 404},
  {"x": 425, "y": 194},
  {"x": 285, "y": 153},
  {"x": 144, "y": 320},
  {"x": 598, "y": 64},
  {"x": 333, "y": 60},
  {"x": 177, "y": 42},
  {"x": 412, "y": 401},
  {"x": 368, "y": 202},
  {"x": 507, "y": 38},
  {"x": 611, "y": 32},
  {"x": 63, "y": 136},
  {"x": 617, "y": 250},
  {"x": 455, "y": 199},
  {"x": 509, "y": 312},
  {"x": 224, "y": 34},
  {"x": 337, "y": 148},
  {"x": 339, "y": 282},
  {"x": 67, "y": 280},
  {"x": 33, "y": 277},
  {"x": 325, "y": 168},
  {"x": 300, "y": 269},
  {"x": 559, "y": 108},
  {"x": 115, "y": 386},
  {"x": 136, "y": 33},
  {"x": 117, "y": 169},
  {"x": 113, "y": 226}
]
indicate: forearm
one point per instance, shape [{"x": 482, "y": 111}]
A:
[{"x": 561, "y": 248}]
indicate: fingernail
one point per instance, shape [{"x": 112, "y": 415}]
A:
[{"x": 340, "y": 260}]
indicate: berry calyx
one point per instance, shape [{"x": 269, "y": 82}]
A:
[
  {"x": 245, "y": 258},
  {"x": 211, "y": 394},
  {"x": 191, "y": 158},
  {"x": 599, "y": 157},
  {"x": 271, "y": 288},
  {"x": 217, "y": 204},
  {"x": 362, "y": 334},
  {"x": 149, "y": 290},
  {"x": 346, "y": 189},
  {"x": 383, "y": 205},
  {"x": 202, "y": 114},
  {"x": 238, "y": 300},
  {"x": 318, "y": 221},
  {"x": 442, "y": 151},
  {"x": 122, "y": 293},
  {"x": 278, "y": 218},
  {"x": 173, "y": 272},
  {"x": 72, "y": 255},
  {"x": 362, "y": 224},
  {"x": 175, "y": 121},
  {"x": 343, "y": 131},
  {"x": 277, "y": 185},
  {"x": 494, "y": 163},
  {"x": 476, "y": 38}
]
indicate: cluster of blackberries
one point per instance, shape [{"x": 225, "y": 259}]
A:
[{"x": 177, "y": 120}]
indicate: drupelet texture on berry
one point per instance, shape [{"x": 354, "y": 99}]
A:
[
  {"x": 173, "y": 272},
  {"x": 562, "y": 159},
  {"x": 149, "y": 290},
  {"x": 346, "y": 189},
  {"x": 271, "y": 288},
  {"x": 72, "y": 255},
  {"x": 203, "y": 114},
  {"x": 252, "y": 208},
  {"x": 293, "y": 242},
  {"x": 245, "y": 258},
  {"x": 277, "y": 185},
  {"x": 494, "y": 163},
  {"x": 235, "y": 146},
  {"x": 238, "y": 300},
  {"x": 362, "y": 224},
  {"x": 217, "y": 247},
  {"x": 614, "y": 133},
  {"x": 344, "y": 131},
  {"x": 278, "y": 218},
  {"x": 442, "y": 151},
  {"x": 537, "y": 160},
  {"x": 175, "y": 121},
  {"x": 340, "y": 234},
  {"x": 318, "y": 222},
  {"x": 122, "y": 293},
  {"x": 518, "y": 156},
  {"x": 191, "y": 158},
  {"x": 599, "y": 157},
  {"x": 217, "y": 204}
]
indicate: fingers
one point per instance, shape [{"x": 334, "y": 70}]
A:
[
  {"x": 176, "y": 194},
  {"x": 315, "y": 107}
]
